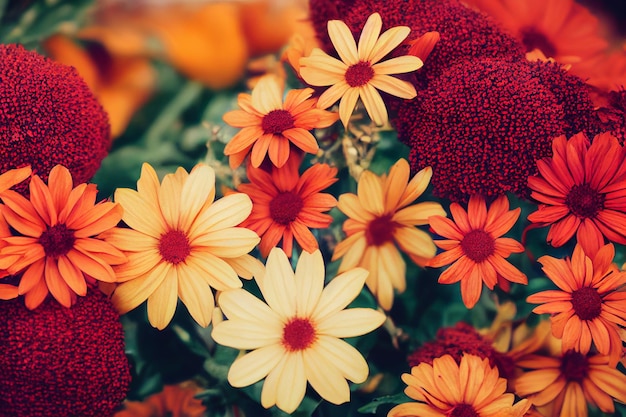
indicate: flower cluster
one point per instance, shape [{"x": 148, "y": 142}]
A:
[{"x": 412, "y": 209}]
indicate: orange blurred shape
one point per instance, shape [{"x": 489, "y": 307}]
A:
[
  {"x": 268, "y": 26},
  {"x": 122, "y": 84},
  {"x": 207, "y": 42}
]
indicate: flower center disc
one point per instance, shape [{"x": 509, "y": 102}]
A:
[
  {"x": 574, "y": 366},
  {"x": 587, "y": 303},
  {"x": 285, "y": 207},
  {"x": 533, "y": 39},
  {"x": 463, "y": 410},
  {"x": 174, "y": 247},
  {"x": 359, "y": 74},
  {"x": 277, "y": 121},
  {"x": 584, "y": 201},
  {"x": 57, "y": 240},
  {"x": 380, "y": 231},
  {"x": 478, "y": 245},
  {"x": 298, "y": 334}
]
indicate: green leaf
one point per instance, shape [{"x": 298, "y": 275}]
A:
[{"x": 392, "y": 400}]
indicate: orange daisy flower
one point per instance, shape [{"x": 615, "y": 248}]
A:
[
  {"x": 475, "y": 248},
  {"x": 581, "y": 190},
  {"x": 588, "y": 306},
  {"x": 359, "y": 72},
  {"x": 381, "y": 219},
  {"x": 58, "y": 246},
  {"x": 172, "y": 401},
  {"x": 286, "y": 204},
  {"x": 180, "y": 243},
  {"x": 270, "y": 126},
  {"x": 445, "y": 388},
  {"x": 7, "y": 180},
  {"x": 562, "y": 386},
  {"x": 560, "y": 29}
]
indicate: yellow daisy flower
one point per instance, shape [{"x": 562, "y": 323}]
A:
[
  {"x": 180, "y": 244},
  {"x": 359, "y": 73},
  {"x": 381, "y": 219},
  {"x": 295, "y": 337}
]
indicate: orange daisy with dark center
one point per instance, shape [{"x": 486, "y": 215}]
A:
[
  {"x": 587, "y": 303},
  {"x": 470, "y": 388},
  {"x": 277, "y": 121},
  {"x": 574, "y": 37},
  {"x": 587, "y": 307},
  {"x": 584, "y": 201},
  {"x": 566, "y": 384},
  {"x": 285, "y": 207},
  {"x": 574, "y": 366},
  {"x": 475, "y": 248},
  {"x": 57, "y": 240},
  {"x": 478, "y": 245},
  {"x": 286, "y": 204},
  {"x": 271, "y": 126}
]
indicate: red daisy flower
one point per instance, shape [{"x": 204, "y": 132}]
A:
[
  {"x": 581, "y": 190},
  {"x": 286, "y": 204}
]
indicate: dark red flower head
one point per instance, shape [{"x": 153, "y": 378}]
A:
[
  {"x": 62, "y": 362},
  {"x": 457, "y": 341},
  {"x": 48, "y": 116},
  {"x": 465, "y": 33},
  {"x": 481, "y": 125}
]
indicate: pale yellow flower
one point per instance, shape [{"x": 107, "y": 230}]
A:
[
  {"x": 295, "y": 337},
  {"x": 359, "y": 72},
  {"x": 381, "y": 219},
  {"x": 181, "y": 243}
]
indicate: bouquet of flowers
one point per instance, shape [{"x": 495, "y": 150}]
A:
[{"x": 316, "y": 208}]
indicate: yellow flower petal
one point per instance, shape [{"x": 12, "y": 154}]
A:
[
  {"x": 197, "y": 296},
  {"x": 280, "y": 291},
  {"x": 309, "y": 280},
  {"x": 369, "y": 36},
  {"x": 325, "y": 378},
  {"x": 195, "y": 193},
  {"x": 374, "y": 104},
  {"x": 162, "y": 302},
  {"x": 340, "y": 292},
  {"x": 343, "y": 41},
  {"x": 254, "y": 366},
  {"x": 130, "y": 294},
  {"x": 139, "y": 214},
  {"x": 351, "y": 322}
]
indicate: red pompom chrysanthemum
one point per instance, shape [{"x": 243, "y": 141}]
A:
[
  {"x": 460, "y": 340},
  {"x": 48, "y": 116},
  {"x": 62, "y": 362},
  {"x": 481, "y": 125}
]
